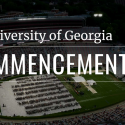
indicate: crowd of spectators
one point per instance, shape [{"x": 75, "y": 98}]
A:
[
  {"x": 114, "y": 116},
  {"x": 43, "y": 94}
]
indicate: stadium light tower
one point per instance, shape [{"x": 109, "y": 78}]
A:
[{"x": 98, "y": 15}]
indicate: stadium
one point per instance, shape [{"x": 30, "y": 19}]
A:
[{"x": 77, "y": 99}]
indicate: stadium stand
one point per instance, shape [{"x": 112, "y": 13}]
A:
[
  {"x": 106, "y": 117},
  {"x": 41, "y": 95},
  {"x": 79, "y": 30},
  {"x": 64, "y": 50},
  {"x": 27, "y": 92}
]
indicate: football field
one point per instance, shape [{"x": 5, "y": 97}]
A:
[{"x": 109, "y": 89}]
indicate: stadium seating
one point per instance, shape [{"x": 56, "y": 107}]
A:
[
  {"x": 105, "y": 117},
  {"x": 69, "y": 49}
]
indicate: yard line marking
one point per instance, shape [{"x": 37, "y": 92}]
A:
[{"x": 91, "y": 99}]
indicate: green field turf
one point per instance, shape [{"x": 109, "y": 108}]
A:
[{"x": 108, "y": 93}]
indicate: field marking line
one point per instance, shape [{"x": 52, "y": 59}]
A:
[
  {"x": 91, "y": 99},
  {"x": 73, "y": 81}
]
